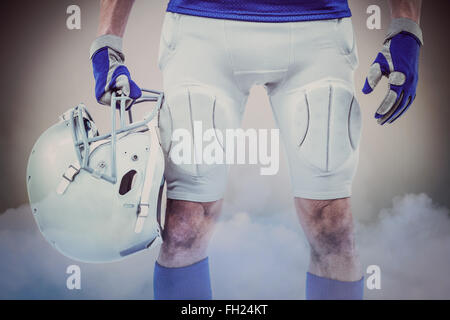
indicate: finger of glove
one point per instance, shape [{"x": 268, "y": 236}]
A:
[
  {"x": 123, "y": 84},
  {"x": 403, "y": 102},
  {"x": 387, "y": 104},
  {"x": 135, "y": 91},
  {"x": 373, "y": 77},
  {"x": 128, "y": 87},
  {"x": 379, "y": 68},
  {"x": 105, "y": 98},
  {"x": 397, "y": 78},
  {"x": 401, "y": 112},
  {"x": 398, "y": 103}
]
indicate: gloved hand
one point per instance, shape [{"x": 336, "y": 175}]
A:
[
  {"x": 109, "y": 71},
  {"x": 399, "y": 61}
]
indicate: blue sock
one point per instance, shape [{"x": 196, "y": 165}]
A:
[
  {"x": 185, "y": 283},
  {"x": 318, "y": 288}
]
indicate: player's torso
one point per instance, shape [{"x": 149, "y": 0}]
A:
[{"x": 263, "y": 10}]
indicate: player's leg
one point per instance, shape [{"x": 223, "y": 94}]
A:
[
  {"x": 182, "y": 268},
  {"x": 334, "y": 270},
  {"x": 187, "y": 230},
  {"x": 200, "y": 97},
  {"x": 320, "y": 123}
]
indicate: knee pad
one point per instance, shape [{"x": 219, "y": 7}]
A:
[
  {"x": 191, "y": 120},
  {"x": 321, "y": 127},
  {"x": 329, "y": 126}
]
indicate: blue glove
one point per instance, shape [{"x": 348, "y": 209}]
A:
[
  {"x": 109, "y": 71},
  {"x": 399, "y": 61}
]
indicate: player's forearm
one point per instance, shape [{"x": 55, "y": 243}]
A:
[
  {"x": 114, "y": 16},
  {"x": 406, "y": 9}
]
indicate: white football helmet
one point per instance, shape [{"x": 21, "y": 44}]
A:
[{"x": 97, "y": 198}]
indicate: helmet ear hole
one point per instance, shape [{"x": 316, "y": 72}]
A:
[{"x": 127, "y": 182}]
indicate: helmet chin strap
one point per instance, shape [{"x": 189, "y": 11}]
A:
[
  {"x": 150, "y": 188},
  {"x": 67, "y": 177}
]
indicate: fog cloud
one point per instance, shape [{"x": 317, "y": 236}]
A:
[{"x": 252, "y": 257}]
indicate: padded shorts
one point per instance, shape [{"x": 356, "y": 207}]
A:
[{"x": 209, "y": 67}]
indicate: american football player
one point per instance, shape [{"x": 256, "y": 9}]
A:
[{"x": 304, "y": 53}]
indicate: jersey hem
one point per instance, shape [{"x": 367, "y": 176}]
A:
[{"x": 260, "y": 17}]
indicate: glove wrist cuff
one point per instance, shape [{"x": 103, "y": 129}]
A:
[
  {"x": 399, "y": 25},
  {"x": 108, "y": 40}
]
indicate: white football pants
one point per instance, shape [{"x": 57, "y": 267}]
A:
[{"x": 209, "y": 66}]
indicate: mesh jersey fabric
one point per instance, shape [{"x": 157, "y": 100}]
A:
[{"x": 263, "y": 10}]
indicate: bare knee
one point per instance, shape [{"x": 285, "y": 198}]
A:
[
  {"x": 328, "y": 225},
  {"x": 187, "y": 229}
]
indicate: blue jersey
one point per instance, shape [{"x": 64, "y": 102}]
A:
[{"x": 263, "y": 10}]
